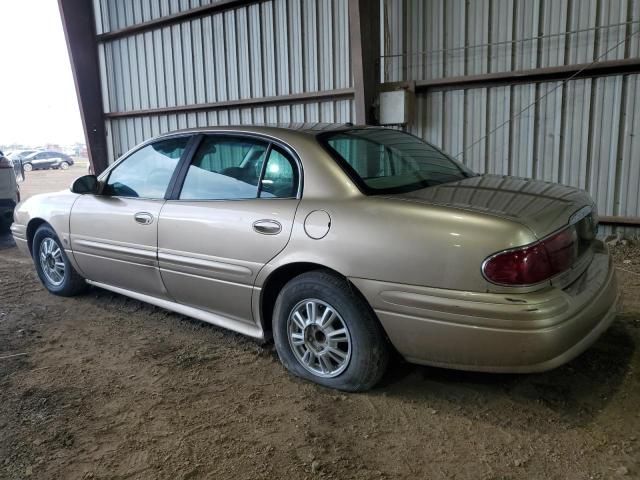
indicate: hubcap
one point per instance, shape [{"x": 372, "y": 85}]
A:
[
  {"x": 51, "y": 261},
  {"x": 319, "y": 338}
]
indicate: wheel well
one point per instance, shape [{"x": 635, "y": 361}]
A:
[
  {"x": 33, "y": 225},
  {"x": 279, "y": 279}
]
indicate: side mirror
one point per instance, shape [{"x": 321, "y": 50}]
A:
[{"x": 85, "y": 184}]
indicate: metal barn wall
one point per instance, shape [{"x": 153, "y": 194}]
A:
[
  {"x": 265, "y": 49},
  {"x": 585, "y": 132}
]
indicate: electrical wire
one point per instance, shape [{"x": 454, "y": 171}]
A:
[{"x": 538, "y": 100}]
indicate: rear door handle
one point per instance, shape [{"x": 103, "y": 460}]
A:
[
  {"x": 143, "y": 218},
  {"x": 267, "y": 227}
]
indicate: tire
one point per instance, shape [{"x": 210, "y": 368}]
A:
[
  {"x": 62, "y": 280},
  {"x": 363, "y": 348},
  {"x": 27, "y": 167},
  {"x": 64, "y": 166}
]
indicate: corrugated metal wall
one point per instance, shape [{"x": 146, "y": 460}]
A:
[
  {"x": 584, "y": 132},
  {"x": 270, "y": 48}
]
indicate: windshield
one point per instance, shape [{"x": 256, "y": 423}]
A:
[{"x": 390, "y": 161}]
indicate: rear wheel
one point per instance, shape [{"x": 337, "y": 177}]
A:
[
  {"x": 27, "y": 167},
  {"x": 52, "y": 265},
  {"x": 325, "y": 332},
  {"x": 64, "y": 165}
]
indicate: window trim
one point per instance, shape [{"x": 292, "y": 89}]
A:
[{"x": 187, "y": 161}]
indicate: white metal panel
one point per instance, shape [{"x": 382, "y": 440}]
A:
[
  {"x": 549, "y": 112},
  {"x": 629, "y": 188},
  {"x": 604, "y": 141},
  {"x": 522, "y": 130},
  {"x": 437, "y": 38}
]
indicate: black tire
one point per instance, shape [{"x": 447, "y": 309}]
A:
[
  {"x": 72, "y": 282},
  {"x": 27, "y": 167},
  {"x": 369, "y": 346}
]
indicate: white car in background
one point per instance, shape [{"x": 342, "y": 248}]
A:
[{"x": 10, "y": 174}]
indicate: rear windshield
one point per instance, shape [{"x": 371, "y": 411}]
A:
[{"x": 390, "y": 161}]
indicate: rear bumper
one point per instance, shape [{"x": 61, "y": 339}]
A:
[{"x": 497, "y": 332}]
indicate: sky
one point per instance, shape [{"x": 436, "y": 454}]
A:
[{"x": 38, "y": 103}]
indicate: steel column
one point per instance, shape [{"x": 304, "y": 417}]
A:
[
  {"x": 79, "y": 29},
  {"x": 364, "y": 32}
]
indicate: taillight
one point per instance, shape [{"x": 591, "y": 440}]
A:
[
  {"x": 534, "y": 263},
  {"x": 5, "y": 163}
]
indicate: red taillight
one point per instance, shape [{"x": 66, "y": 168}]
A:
[
  {"x": 534, "y": 263},
  {"x": 5, "y": 163}
]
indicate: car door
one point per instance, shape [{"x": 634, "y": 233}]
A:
[
  {"x": 114, "y": 235},
  {"x": 54, "y": 159},
  {"x": 233, "y": 214},
  {"x": 39, "y": 160}
]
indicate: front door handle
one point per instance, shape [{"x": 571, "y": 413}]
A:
[
  {"x": 267, "y": 227},
  {"x": 143, "y": 218}
]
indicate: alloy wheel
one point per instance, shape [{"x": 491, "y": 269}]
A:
[
  {"x": 52, "y": 262},
  {"x": 319, "y": 338}
]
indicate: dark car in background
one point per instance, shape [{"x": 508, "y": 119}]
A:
[
  {"x": 45, "y": 159},
  {"x": 16, "y": 156}
]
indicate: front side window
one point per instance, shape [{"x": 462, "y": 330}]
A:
[
  {"x": 391, "y": 161},
  {"x": 146, "y": 173},
  {"x": 225, "y": 168}
]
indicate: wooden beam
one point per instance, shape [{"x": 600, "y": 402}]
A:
[
  {"x": 364, "y": 36},
  {"x": 306, "y": 97},
  {"x": 78, "y": 23}
]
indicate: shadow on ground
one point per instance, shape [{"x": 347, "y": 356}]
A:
[{"x": 6, "y": 240}]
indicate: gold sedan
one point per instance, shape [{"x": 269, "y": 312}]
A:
[{"x": 339, "y": 242}]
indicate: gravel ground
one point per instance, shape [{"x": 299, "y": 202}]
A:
[
  {"x": 42, "y": 181},
  {"x": 104, "y": 387}
]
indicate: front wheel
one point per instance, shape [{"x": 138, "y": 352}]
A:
[
  {"x": 325, "y": 332},
  {"x": 52, "y": 265},
  {"x": 27, "y": 167},
  {"x": 64, "y": 165}
]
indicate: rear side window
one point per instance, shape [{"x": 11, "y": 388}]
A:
[
  {"x": 146, "y": 173},
  {"x": 280, "y": 178},
  {"x": 389, "y": 161},
  {"x": 225, "y": 168}
]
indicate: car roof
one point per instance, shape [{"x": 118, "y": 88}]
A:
[
  {"x": 44, "y": 150},
  {"x": 306, "y": 129}
]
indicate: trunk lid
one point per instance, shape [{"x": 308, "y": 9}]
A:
[{"x": 541, "y": 206}]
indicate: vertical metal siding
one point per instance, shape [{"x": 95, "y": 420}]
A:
[
  {"x": 426, "y": 39},
  {"x": 272, "y": 47},
  {"x": 582, "y": 133},
  {"x": 565, "y": 138}
]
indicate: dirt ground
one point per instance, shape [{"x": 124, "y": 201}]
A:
[
  {"x": 104, "y": 387},
  {"x": 42, "y": 181}
]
